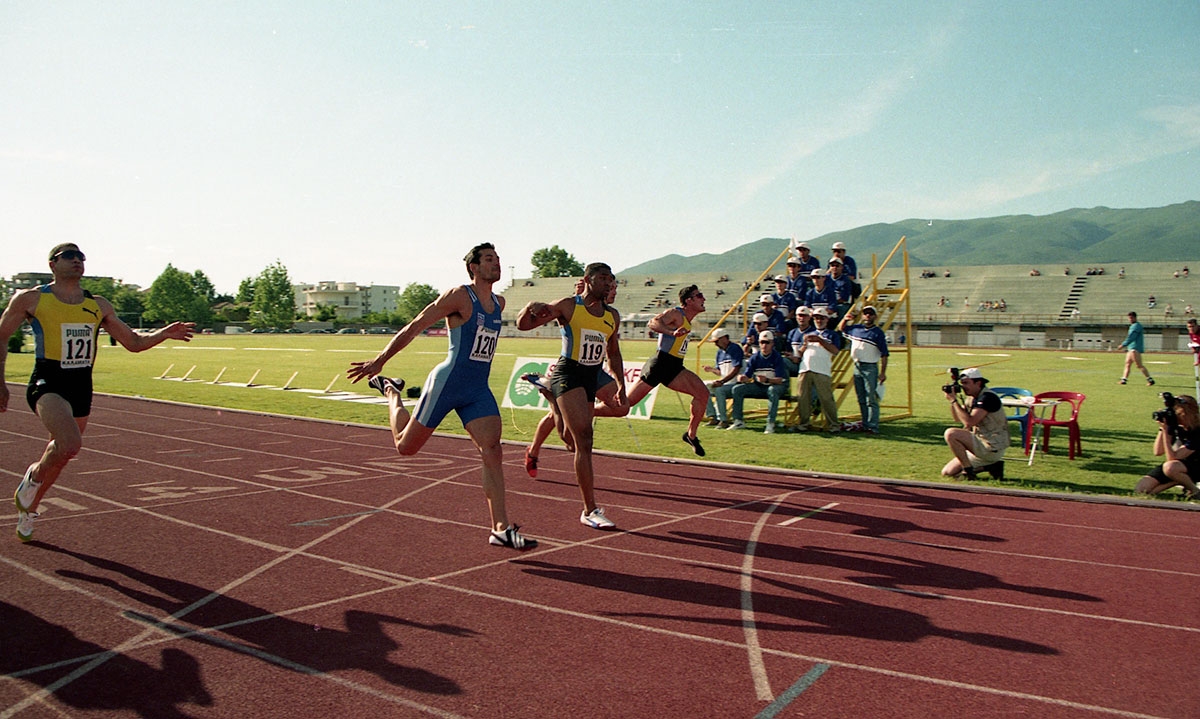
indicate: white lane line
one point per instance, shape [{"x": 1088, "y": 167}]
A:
[{"x": 806, "y": 515}]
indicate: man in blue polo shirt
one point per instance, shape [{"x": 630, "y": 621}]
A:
[
  {"x": 869, "y": 350},
  {"x": 765, "y": 377},
  {"x": 729, "y": 364}
]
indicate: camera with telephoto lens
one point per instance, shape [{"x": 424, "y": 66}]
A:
[
  {"x": 1167, "y": 414},
  {"x": 954, "y": 387}
]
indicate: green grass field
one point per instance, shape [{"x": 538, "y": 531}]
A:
[{"x": 1117, "y": 429}]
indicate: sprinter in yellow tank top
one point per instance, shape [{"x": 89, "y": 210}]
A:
[
  {"x": 66, "y": 321},
  {"x": 589, "y": 332},
  {"x": 666, "y": 367}
]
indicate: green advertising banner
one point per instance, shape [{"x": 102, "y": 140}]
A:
[{"x": 520, "y": 394}]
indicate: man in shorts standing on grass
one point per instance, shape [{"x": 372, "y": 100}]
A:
[
  {"x": 66, "y": 321},
  {"x": 460, "y": 383},
  {"x": 980, "y": 443},
  {"x": 589, "y": 335},
  {"x": 666, "y": 366},
  {"x": 1135, "y": 346}
]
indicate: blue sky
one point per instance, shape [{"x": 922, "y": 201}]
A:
[{"x": 377, "y": 141}]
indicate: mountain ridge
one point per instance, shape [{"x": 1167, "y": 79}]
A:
[{"x": 1078, "y": 236}]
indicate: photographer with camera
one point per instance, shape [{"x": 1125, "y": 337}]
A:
[
  {"x": 1178, "y": 439},
  {"x": 980, "y": 443}
]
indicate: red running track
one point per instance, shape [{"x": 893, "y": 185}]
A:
[{"x": 194, "y": 562}]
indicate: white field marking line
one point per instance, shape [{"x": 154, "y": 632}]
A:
[
  {"x": 134, "y": 641},
  {"x": 758, "y": 669},
  {"x": 99, "y": 471},
  {"x": 177, "y": 450},
  {"x": 276, "y": 349},
  {"x": 225, "y": 459},
  {"x": 802, "y": 657},
  {"x": 911, "y": 592},
  {"x": 153, "y": 484},
  {"x": 806, "y": 515}
]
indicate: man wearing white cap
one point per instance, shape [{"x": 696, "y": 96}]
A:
[
  {"x": 822, "y": 293},
  {"x": 729, "y": 364},
  {"x": 758, "y": 323},
  {"x": 765, "y": 377},
  {"x": 797, "y": 278},
  {"x": 980, "y": 443},
  {"x": 816, "y": 371},
  {"x": 785, "y": 301},
  {"x": 775, "y": 319},
  {"x": 848, "y": 263}
]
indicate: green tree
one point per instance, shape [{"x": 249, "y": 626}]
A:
[
  {"x": 555, "y": 262},
  {"x": 325, "y": 313},
  {"x": 173, "y": 297},
  {"x": 412, "y": 300},
  {"x": 245, "y": 291},
  {"x": 204, "y": 287},
  {"x": 274, "y": 303}
]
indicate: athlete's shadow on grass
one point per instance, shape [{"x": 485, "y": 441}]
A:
[
  {"x": 121, "y": 683},
  {"x": 242, "y": 627},
  {"x": 795, "y": 609}
]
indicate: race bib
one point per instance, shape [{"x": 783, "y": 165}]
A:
[
  {"x": 591, "y": 347},
  {"x": 485, "y": 344},
  {"x": 78, "y": 345}
]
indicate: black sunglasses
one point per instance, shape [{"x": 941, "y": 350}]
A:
[
  {"x": 698, "y": 295},
  {"x": 70, "y": 255}
]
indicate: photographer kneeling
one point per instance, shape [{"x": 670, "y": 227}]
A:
[
  {"x": 1178, "y": 438},
  {"x": 979, "y": 445}
]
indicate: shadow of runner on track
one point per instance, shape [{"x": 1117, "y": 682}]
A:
[
  {"x": 805, "y": 609},
  {"x": 363, "y": 645}
]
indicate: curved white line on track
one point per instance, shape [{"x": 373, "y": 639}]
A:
[{"x": 758, "y": 670}]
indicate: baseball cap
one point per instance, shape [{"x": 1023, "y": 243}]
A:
[
  {"x": 802, "y": 246},
  {"x": 818, "y": 272},
  {"x": 766, "y": 335},
  {"x": 767, "y": 298},
  {"x": 839, "y": 245},
  {"x": 794, "y": 261},
  {"x": 804, "y": 310},
  {"x": 760, "y": 317},
  {"x": 835, "y": 260},
  {"x": 972, "y": 373},
  {"x": 870, "y": 309},
  {"x": 781, "y": 278},
  {"x": 821, "y": 312},
  {"x": 718, "y": 334}
]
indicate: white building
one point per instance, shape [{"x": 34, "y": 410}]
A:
[{"x": 349, "y": 299}]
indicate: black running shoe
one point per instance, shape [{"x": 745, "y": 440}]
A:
[
  {"x": 381, "y": 383},
  {"x": 695, "y": 442},
  {"x": 996, "y": 469},
  {"x": 511, "y": 538}
]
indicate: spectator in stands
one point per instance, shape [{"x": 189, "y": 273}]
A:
[
  {"x": 793, "y": 348},
  {"x": 765, "y": 376},
  {"x": 821, "y": 294},
  {"x": 729, "y": 365},
  {"x": 848, "y": 263},
  {"x": 1134, "y": 345},
  {"x": 869, "y": 351},
  {"x": 1169, "y": 310},
  {"x": 785, "y": 301},
  {"x": 1121, "y": 274},
  {"x": 776, "y": 321},
  {"x": 843, "y": 289},
  {"x": 1151, "y": 302},
  {"x": 808, "y": 261},
  {"x": 816, "y": 372},
  {"x": 1035, "y": 273},
  {"x": 759, "y": 322},
  {"x": 1189, "y": 310},
  {"x": 1179, "y": 445},
  {"x": 980, "y": 443}
]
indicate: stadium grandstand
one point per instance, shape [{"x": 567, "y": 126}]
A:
[{"x": 995, "y": 305}]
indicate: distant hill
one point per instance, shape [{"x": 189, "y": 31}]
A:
[{"x": 1079, "y": 238}]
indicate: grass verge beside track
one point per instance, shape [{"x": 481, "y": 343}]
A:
[{"x": 1118, "y": 432}]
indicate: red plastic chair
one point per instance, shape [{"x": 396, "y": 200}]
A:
[{"x": 1072, "y": 399}]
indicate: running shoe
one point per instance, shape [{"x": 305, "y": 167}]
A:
[
  {"x": 713, "y": 422},
  {"x": 996, "y": 469},
  {"x": 381, "y": 383},
  {"x": 25, "y": 525},
  {"x": 736, "y": 424},
  {"x": 695, "y": 443},
  {"x": 536, "y": 380},
  {"x": 1149, "y": 381},
  {"x": 511, "y": 538},
  {"x": 770, "y": 428},
  {"x": 596, "y": 519},
  {"x": 530, "y": 463},
  {"x": 1122, "y": 381},
  {"x": 26, "y": 491}
]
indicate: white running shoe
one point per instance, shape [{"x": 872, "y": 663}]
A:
[
  {"x": 26, "y": 491},
  {"x": 596, "y": 519},
  {"x": 25, "y": 525},
  {"x": 511, "y": 538},
  {"x": 737, "y": 424},
  {"x": 770, "y": 428}
]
